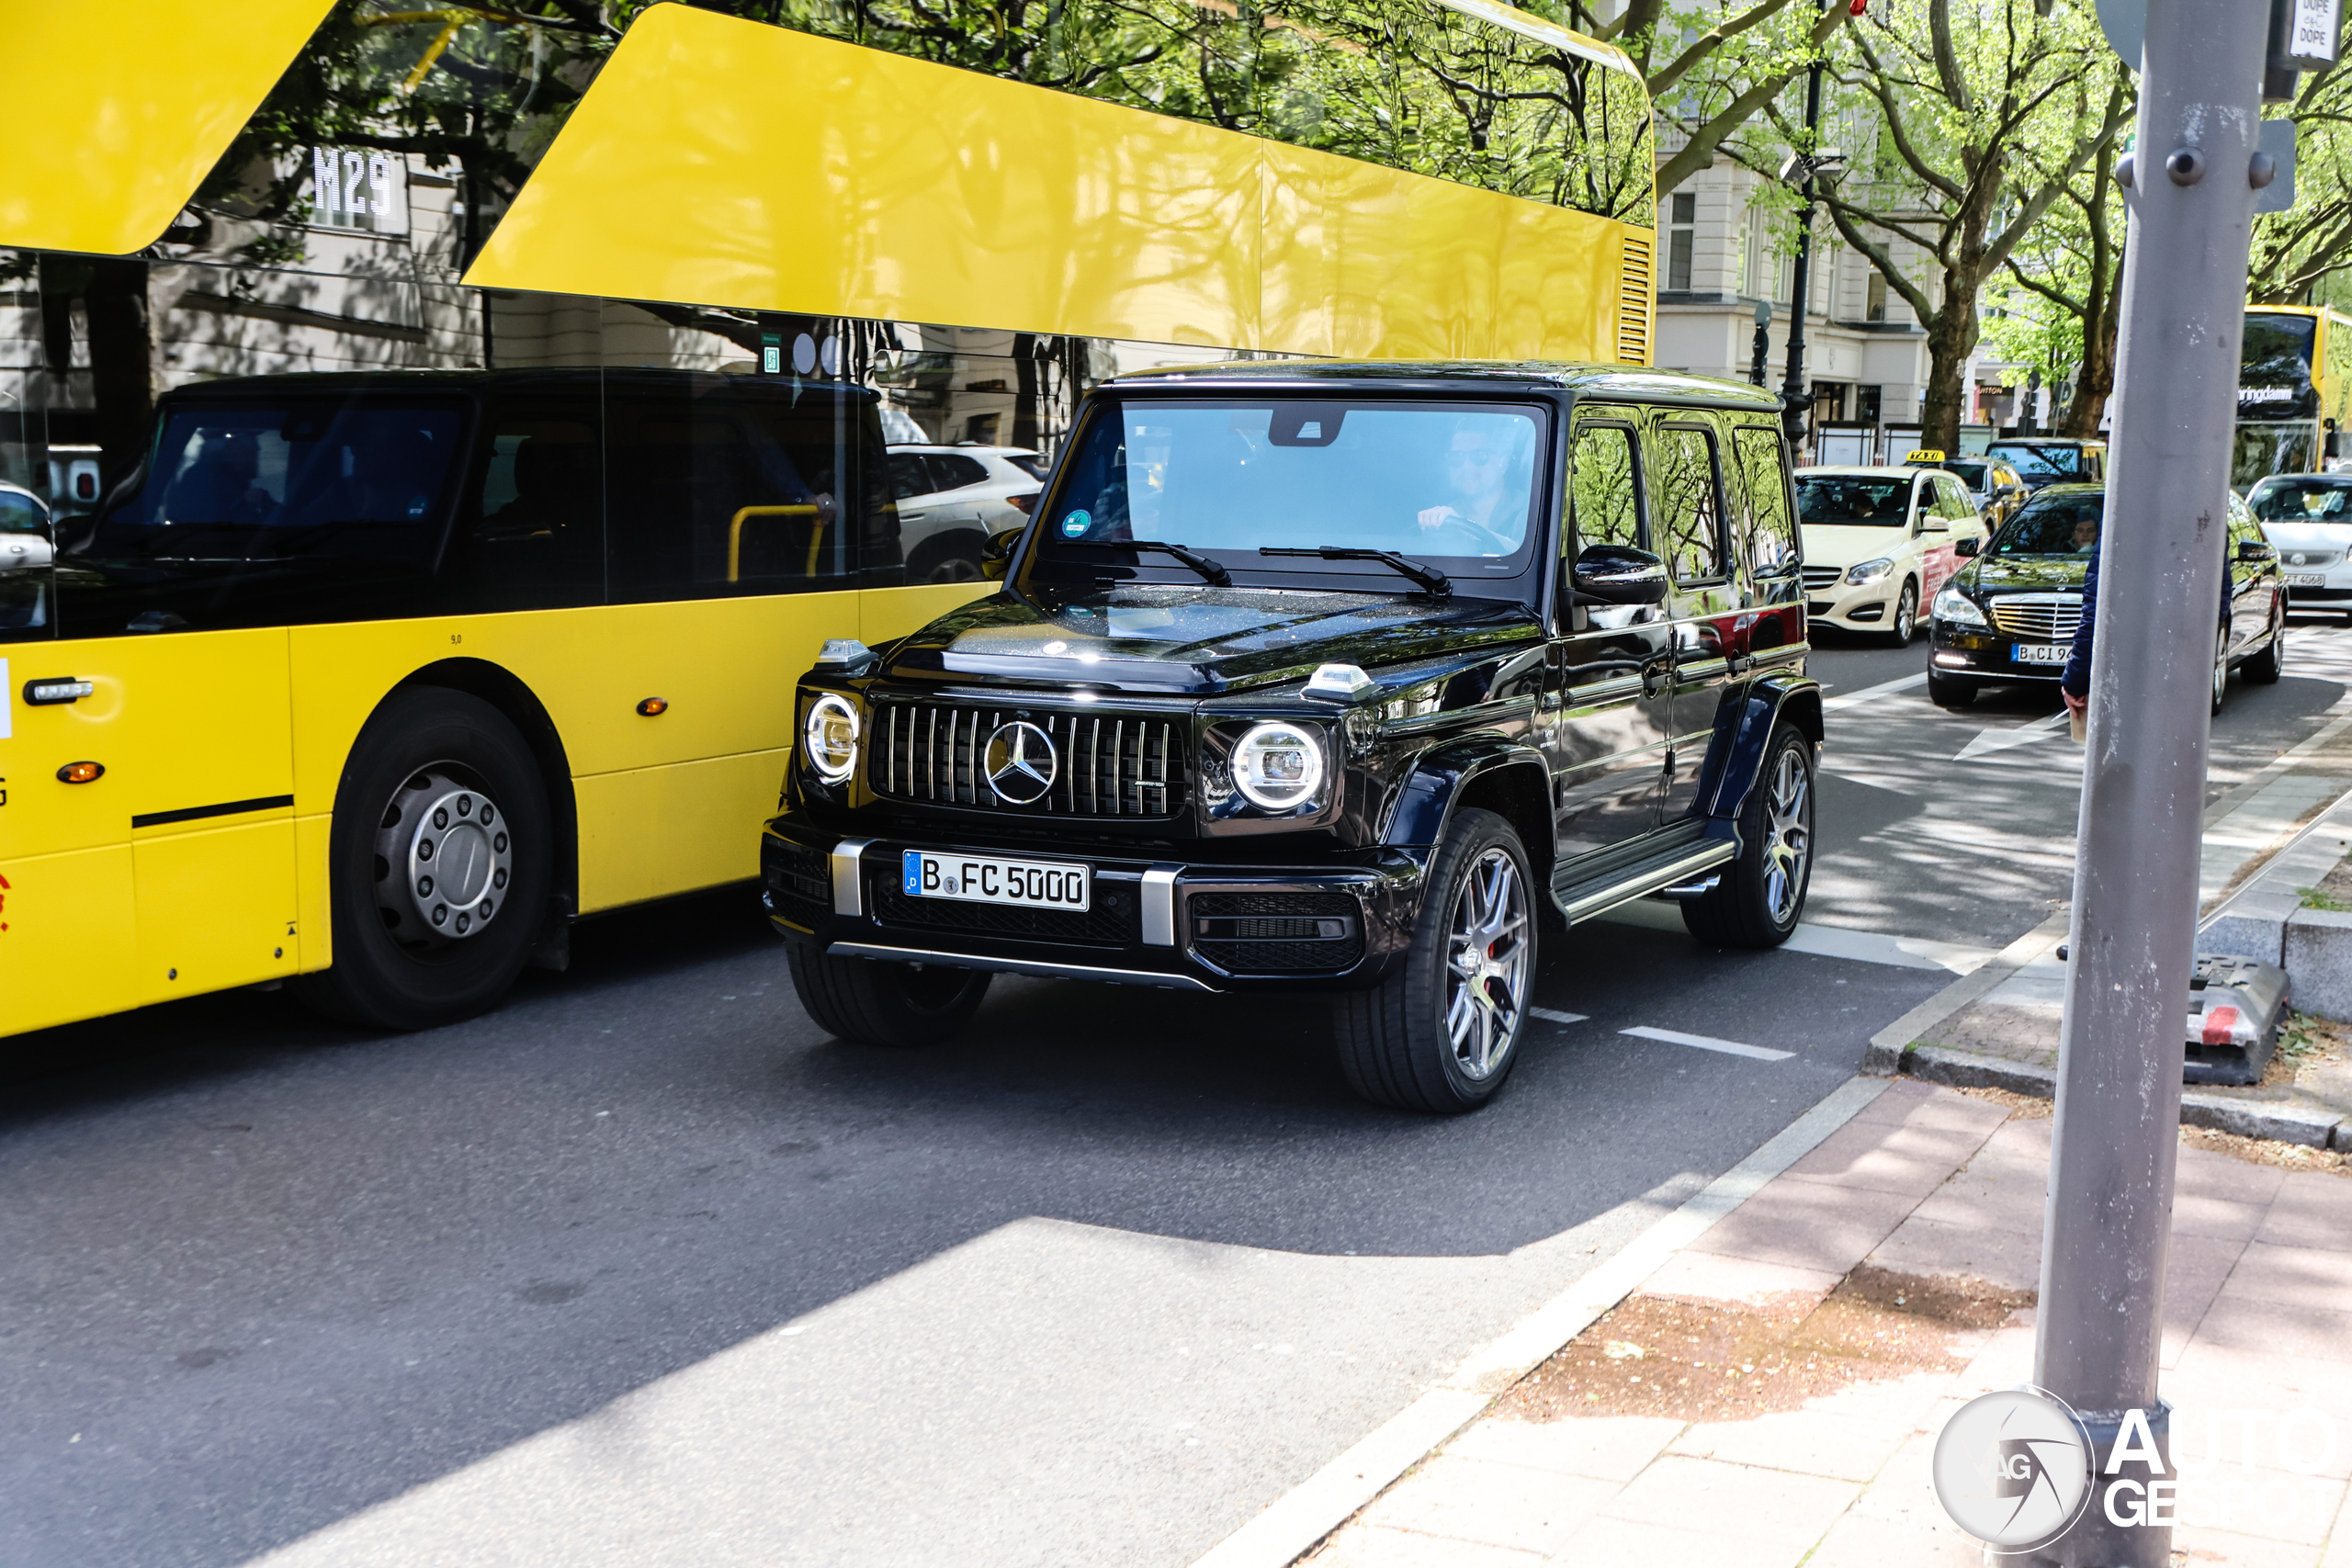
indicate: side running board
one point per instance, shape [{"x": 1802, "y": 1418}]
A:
[{"x": 1675, "y": 869}]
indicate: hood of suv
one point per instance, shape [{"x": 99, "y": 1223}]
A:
[
  {"x": 1198, "y": 641},
  {"x": 2012, "y": 574}
]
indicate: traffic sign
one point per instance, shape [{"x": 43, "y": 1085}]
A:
[{"x": 2125, "y": 23}]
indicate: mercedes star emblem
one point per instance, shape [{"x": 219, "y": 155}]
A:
[{"x": 1020, "y": 762}]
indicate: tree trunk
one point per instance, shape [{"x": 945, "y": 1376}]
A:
[
  {"x": 2096, "y": 384},
  {"x": 1951, "y": 338}
]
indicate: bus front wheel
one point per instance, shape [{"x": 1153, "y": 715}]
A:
[{"x": 440, "y": 854}]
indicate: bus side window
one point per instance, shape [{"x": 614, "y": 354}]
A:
[
  {"x": 1771, "y": 528},
  {"x": 534, "y": 532}
]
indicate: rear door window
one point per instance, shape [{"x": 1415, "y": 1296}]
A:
[
  {"x": 1757, "y": 457},
  {"x": 1685, "y": 500},
  {"x": 952, "y": 470}
]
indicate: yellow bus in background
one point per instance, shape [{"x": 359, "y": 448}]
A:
[
  {"x": 439, "y": 528},
  {"x": 2294, "y": 391}
]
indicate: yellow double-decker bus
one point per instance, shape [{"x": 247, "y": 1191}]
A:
[
  {"x": 446, "y": 435},
  {"x": 2294, "y": 391}
]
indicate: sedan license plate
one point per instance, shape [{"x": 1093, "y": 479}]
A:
[
  {"x": 984, "y": 879},
  {"x": 2308, "y": 579},
  {"x": 2043, "y": 652}
]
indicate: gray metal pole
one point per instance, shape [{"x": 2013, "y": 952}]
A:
[
  {"x": 1795, "y": 405},
  {"x": 2137, "y": 845}
]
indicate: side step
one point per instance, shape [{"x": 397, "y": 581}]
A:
[{"x": 1677, "y": 871}]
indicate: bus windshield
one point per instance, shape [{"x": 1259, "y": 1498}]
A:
[
  {"x": 2259, "y": 450},
  {"x": 1854, "y": 502},
  {"x": 2054, "y": 525},
  {"x": 1451, "y": 482},
  {"x": 317, "y": 479}
]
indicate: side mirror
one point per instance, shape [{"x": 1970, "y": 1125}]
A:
[
  {"x": 1935, "y": 525},
  {"x": 997, "y": 554},
  {"x": 1968, "y": 547},
  {"x": 1617, "y": 574},
  {"x": 2254, "y": 550}
]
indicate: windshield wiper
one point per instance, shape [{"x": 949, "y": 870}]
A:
[
  {"x": 1428, "y": 576},
  {"x": 1199, "y": 563}
]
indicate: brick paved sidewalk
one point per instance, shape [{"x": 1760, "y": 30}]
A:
[{"x": 1770, "y": 1396}]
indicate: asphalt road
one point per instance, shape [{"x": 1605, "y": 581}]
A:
[{"x": 643, "y": 1268}]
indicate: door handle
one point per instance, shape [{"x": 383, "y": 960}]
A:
[{"x": 1655, "y": 679}]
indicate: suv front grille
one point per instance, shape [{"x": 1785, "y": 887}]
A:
[
  {"x": 2040, "y": 619},
  {"x": 1105, "y": 765}
]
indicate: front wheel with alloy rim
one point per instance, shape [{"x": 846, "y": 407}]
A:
[
  {"x": 1761, "y": 894},
  {"x": 440, "y": 857},
  {"x": 1907, "y": 615},
  {"x": 1441, "y": 1034},
  {"x": 2265, "y": 668},
  {"x": 872, "y": 1002},
  {"x": 2221, "y": 666}
]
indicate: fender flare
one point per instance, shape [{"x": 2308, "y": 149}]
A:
[
  {"x": 1424, "y": 801},
  {"x": 1796, "y": 699}
]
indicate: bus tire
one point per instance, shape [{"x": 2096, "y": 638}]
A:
[
  {"x": 870, "y": 1001},
  {"x": 431, "y": 750}
]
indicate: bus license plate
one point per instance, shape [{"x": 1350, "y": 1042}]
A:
[
  {"x": 2044, "y": 652},
  {"x": 2308, "y": 579},
  {"x": 983, "y": 879}
]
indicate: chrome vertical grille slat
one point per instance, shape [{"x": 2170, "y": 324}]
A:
[{"x": 1131, "y": 766}]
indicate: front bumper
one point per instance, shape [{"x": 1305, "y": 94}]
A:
[
  {"x": 1987, "y": 654},
  {"x": 2333, "y": 590},
  {"x": 1164, "y": 923},
  {"x": 1869, "y": 608}
]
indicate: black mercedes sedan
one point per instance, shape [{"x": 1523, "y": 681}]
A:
[{"x": 2011, "y": 614}]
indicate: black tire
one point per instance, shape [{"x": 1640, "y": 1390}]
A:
[
  {"x": 391, "y": 970},
  {"x": 2265, "y": 668},
  {"x": 1761, "y": 896},
  {"x": 947, "y": 558},
  {"x": 870, "y": 1001},
  {"x": 1953, "y": 692},
  {"x": 2220, "y": 667},
  {"x": 1907, "y": 614},
  {"x": 1393, "y": 1041}
]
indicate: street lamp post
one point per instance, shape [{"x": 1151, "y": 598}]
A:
[{"x": 1803, "y": 170}]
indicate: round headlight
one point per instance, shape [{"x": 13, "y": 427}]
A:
[
  {"x": 830, "y": 737},
  {"x": 1278, "y": 766}
]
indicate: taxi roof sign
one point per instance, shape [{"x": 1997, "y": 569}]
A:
[{"x": 1925, "y": 455}]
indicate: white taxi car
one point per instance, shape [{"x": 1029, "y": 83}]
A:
[{"x": 1879, "y": 542}]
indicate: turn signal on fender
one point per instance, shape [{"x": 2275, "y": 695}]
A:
[
  {"x": 80, "y": 773},
  {"x": 654, "y": 707}
]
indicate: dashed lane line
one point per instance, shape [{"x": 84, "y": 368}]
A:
[
  {"x": 1556, "y": 1016},
  {"x": 1708, "y": 1043}
]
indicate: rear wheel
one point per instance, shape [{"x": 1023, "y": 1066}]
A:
[
  {"x": 948, "y": 558},
  {"x": 1762, "y": 892},
  {"x": 1441, "y": 1033},
  {"x": 874, "y": 1002},
  {"x": 1907, "y": 615},
  {"x": 1951, "y": 691},
  {"x": 440, "y": 858}
]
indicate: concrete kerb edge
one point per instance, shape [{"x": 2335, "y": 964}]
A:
[
  {"x": 1886, "y": 1055},
  {"x": 1296, "y": 1522},
  {"x": 1958, "y": 1069}
]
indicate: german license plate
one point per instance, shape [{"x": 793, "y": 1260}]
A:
[
  {"x": 984, "y": 879},
  {"x": 2044, "y": 652},
  {"x": 2308, "y": 579}
]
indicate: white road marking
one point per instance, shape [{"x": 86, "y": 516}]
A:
[
  {"x": 1709, "y": 1043},
  {"x": 1556, "y": 1016},
  {"x": 1872, "y": 693},
  {"x": 2006, "y": 736},
  {"x": 1828, "y": 942}
]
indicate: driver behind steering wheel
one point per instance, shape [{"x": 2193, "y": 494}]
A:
[{"x": 1483, "y": 518}]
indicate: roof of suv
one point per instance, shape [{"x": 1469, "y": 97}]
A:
[{"x": 1462, "y": 374}]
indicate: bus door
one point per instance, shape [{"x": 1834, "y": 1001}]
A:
[
  {"x": 731, "y": 559},
  {"x": 147, "y": 833}
]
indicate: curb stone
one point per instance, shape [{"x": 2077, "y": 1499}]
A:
[{"x": 1958, "y": 1070}]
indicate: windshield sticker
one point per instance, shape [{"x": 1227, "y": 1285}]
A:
[{"x": 1076, "y": 525}]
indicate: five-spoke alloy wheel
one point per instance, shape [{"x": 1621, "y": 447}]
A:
[
  {"x": 1761, "y": 895},
  {"x": 1490, "y": 952}
]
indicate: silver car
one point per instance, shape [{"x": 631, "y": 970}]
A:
[{"x": 952, "y": 498}]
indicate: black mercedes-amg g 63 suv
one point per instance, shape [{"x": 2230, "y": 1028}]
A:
[{"x": 1335, "y": 677}]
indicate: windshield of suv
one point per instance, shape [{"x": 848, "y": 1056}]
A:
[
  {"x": 1452, "y": 484},
  {"x": 2304, "y": 500},
  {"x": 2036, "y": 463},
  {"x": 2054, "y": 525},
  {"x": 1848, "y": 501},
  {"x": 247, "y": 482}
]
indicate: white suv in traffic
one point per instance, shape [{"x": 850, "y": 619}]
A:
[
  {"x": 1879, "y": 542},
  {"x": 952, "y": 498}
]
